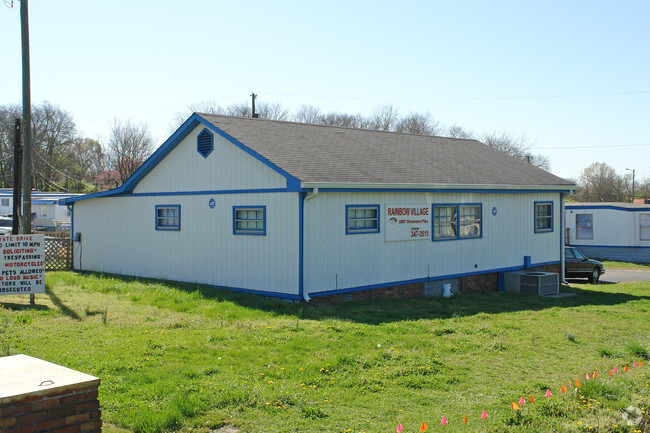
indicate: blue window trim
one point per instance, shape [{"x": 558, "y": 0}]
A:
[
  {"x": 354, "y": 231},
  {"x": 258, "y": 232},
  {"x": 200, "y": 137},
  {"x": 175, "y": 228},
  {"x": 457, "y": 206},
  {"x": 537, "y": 203}
]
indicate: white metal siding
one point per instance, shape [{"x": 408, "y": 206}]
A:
[
  {"x": 611, "y": 227},
  {"x": 226, "y": 168},
  {"x": 334, "y": 260},
  {"x": 118, "y": 235}
]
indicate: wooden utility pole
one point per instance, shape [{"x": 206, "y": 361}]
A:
[
  {"x": 27, "y": 126},
  {"x": 18, "y": 159},
  {"x": 255, "y": 115}
]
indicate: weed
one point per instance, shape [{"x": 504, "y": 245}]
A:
[
  {"x": 571, "y": 337},
  {"x": 313, "y": 413},
  {"x": 607, "y": 353},
  {"x": 638, "y": 350}
]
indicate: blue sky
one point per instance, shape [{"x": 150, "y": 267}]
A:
[{"x": 573, "y": 77}]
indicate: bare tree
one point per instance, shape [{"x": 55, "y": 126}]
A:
[
  {"x": 642, "y": 188},
  {"x": 241, "y": 109},
  {"x": 205, "y": 106},
  {"x": 457, "y": 131},
  {"x": 343, "y": 120},
  {"x": 599, "y": 182},
  {"x": 53, "y": 130},
  {"x": 417, "y": 123},
  {"x": 384, "y": 118},
  {"x": 519, "y": 147},
  {"x": 272, "y": 111},
  {"x": 308, "y": 114},
  {"x": 129, "y": 145}
]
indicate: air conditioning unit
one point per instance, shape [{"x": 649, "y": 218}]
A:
[{"x": 537, "y": 283}]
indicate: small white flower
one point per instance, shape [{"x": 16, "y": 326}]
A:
[
  {"x": 219, "y": 358},
  {"x": 379, "y": 346}
]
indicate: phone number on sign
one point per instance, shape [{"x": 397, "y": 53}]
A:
[{"x": 419, "y": 233}]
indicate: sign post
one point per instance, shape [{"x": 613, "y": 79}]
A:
[{"x": 22, "y": 264}]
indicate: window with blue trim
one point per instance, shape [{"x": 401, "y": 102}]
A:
[
  {"x": 543, "y": 216},
  {"x": 249, "y": 220},
  {"x": 361, "y": 219},
  {"x": 205, "y": 143},
  {"x": 168, "y": 217},
  {"x": 457, "y": 221}
]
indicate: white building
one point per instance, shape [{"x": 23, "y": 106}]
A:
[
  {"x": 47, "y": 212},
  {"x": 610, "y": 231},
  {"x": 304, "y": 211}
]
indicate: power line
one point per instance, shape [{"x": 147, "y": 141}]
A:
[
  {"x": 493, "y": 98},
  {"x": 592, "y": 147}
]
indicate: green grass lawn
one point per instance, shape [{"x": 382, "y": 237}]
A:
[
  {"x": 626, "y": 265},
  {"x": 177, "y": 356}
]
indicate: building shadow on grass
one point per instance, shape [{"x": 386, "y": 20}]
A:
[{"x": 392, "y": 310}]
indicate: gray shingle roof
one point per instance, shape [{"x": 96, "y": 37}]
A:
[{"x": 325, "y": 154}]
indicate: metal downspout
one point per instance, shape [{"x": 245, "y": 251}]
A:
[
  {"x": 562, "y": 240},
  {"x": 312, "y": 194}
]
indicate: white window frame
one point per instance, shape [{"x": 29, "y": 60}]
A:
[
  {"x": 644, "y": 227},
  {"x": 168, "y": 217},
  {"x": 361, "y": 218},
  {"x": 249, "y": 220}
]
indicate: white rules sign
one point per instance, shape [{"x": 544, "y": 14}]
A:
[
  {"x": 22, "y": 264},
  {"x": 407, "y": 222}
]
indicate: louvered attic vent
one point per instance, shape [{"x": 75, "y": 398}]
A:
[{"x": 205, "y": 143}]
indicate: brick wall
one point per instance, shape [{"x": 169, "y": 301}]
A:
[
  {"x": 467, "y": 284},
  {"x": 37, "y": 396},
  {"x": 73, "y": 411}
]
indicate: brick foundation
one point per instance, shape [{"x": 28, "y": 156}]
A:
[
  {"x": 468, "y": 284},
  {"x": 63, "y": 403}
]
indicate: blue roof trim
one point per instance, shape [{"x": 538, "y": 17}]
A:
[
  {"x": 610, "y": 207},
  {"x": 44, "y": 202},
  {"x": 293, "y": 183},
  {"x": 422, "y": 280}
]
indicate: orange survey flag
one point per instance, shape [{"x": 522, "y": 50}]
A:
[
  {"x": 532, "y": 400},
  {"x": 515, "y": 406},
  {"x": 578, "y": 383},
  {"x": 626, "y": 368},
  {"x": 563, "y": 388},
  {"x": 595, "y": 375},
  {"x": 423, "y": 427},
  {"x": 465, "y": 419}
]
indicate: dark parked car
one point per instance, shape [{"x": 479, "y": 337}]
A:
[{"x": 576, "y": 265}]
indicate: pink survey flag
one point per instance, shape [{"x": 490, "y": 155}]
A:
[
  {"x": 522, "y": 400},
  {"x": 443, "y": 421},
  {"x": 399, "y": 427},
  {"x": 615, "y": 370},
  {"x": 484, "y": 414},
  {"x": 634, "y": 364},
  {"x": 548, "y": 393},
  {"x": 587, "y": 376}
]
